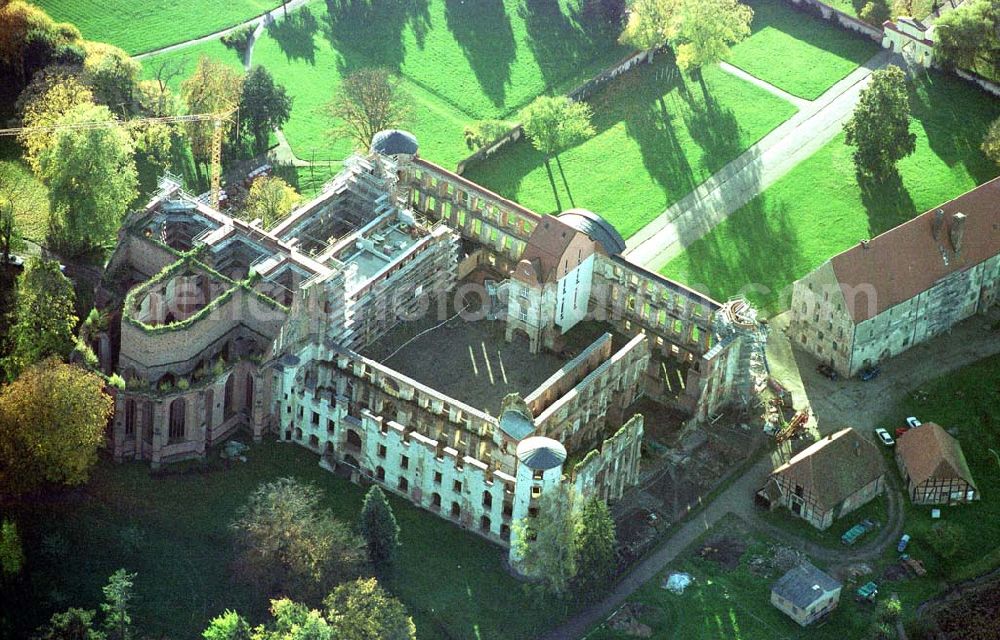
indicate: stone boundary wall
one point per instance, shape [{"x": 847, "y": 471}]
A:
[
  {"x": 840, "y": 18},
  {"x": 979, "y": 81},
  {"x": 582, "y": 92}
]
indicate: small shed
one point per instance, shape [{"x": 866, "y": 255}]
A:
[
  {"x": 934, "y": 468},
  {"x": 806, "y": 594}
]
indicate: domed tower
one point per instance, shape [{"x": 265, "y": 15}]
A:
[
  {"x": 395, "y": 143},
  {"x": 539, "y": 471}
]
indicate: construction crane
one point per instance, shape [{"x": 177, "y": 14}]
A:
[{"x": 217, "y": 120}]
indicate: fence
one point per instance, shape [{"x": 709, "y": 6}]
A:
[{"x": 582, "y": 92}]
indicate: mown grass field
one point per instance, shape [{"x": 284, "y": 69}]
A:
[
  {"x": 176, "y": 66},
  {"x": 730, "y": 603},
  {"x": 797, "y": 51},
  {"x": 659, "y": 134},
  {"x": 141, "y": 25},
  {"x": 173, "y": 531},
  {"x": 818, "y": 209},
  {"x": 459, "y": 61}
]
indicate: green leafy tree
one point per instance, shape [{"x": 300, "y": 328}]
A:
[
  {"x": 270, "y": 199},
  {"x": 112, "y": 75},
  {"x": 287, "y": 543},
  {"x": 72, "y": 624},
  {"x": 547, "y": 543},
  {"x": 264, "y": 106},
  {"x": 875, "y": 12},
  {"x": 52, "y": 420},
  {"x": 228, "y": 626},
  {"x": 363, "y": 610},
  {"x": 11, "y": 552},
  {"x": 702, "y": 31},
  {"x": 295, "y": 621},
  {"x": 44, "y": 316},
  {"x": 991, "y": 142},
  {"x": 555, "y": 123},
  {"x": 118, "y": 596},
  {"x": 378, "y": 527},
  {"x": 12, "y": 205},
  {"x": 879, "y": 130},
  {"x": 91, "y": 176},
  {"x": 595, "y": 549},
  {"x": 484, "y": 132},
  {"x": 969, "y": 37},
  {"x": 648, "y": 23},
  {"x": 370, "y": 100}
]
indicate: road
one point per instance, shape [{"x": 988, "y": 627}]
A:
[{"x": 758, "y": 167}]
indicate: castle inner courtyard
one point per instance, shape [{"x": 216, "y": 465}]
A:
[{"x": 468, "y": 360}]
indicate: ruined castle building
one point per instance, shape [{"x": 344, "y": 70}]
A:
[
  {"x": 221, "y": 325},
  {"x": 903, "y": 287}
]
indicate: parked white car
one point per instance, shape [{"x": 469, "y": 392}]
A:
[
  {"x": 912, "y": 422},
  {"x": 884, "y": 436}
]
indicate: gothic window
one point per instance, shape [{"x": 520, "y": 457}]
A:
[
  {"x": 129, "y": 418},
  {"x": 178, "y": 409}
]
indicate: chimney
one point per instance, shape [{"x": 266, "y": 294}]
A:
[
  {"x": 956, "y": 231},
  {"x": 938, "y": 223},
  {"x": 857, "y": 448},
  {"x": 864, "y": 244}
]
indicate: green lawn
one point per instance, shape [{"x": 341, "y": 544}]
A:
[
  {"x": 657, "y": 138},
  {"x": 874, "y": 510},
  {"x": 818, "y": 209},
  {"x": 172, "y": 531},
  {"x": 725, "y": 603},
  {"x": 798, "y": 51},
  {"x": 460, "y": 62},
  {"x": 139, "y": 26}
]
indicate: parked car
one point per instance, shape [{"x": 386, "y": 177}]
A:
[
  {"x": 900, "y": 431},
  {"x": 912, "y": 422},
  {"x": 870, "y": 373},
  {"x": 827, "y": 371},
  {"x": 884, "y": 436},
  {"x": 905, "y": 540},
  {"x": 14, "y": 260}
]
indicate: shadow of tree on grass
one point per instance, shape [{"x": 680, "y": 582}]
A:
[
  {"x": 294, "y": 35},
  {"x": 369, "y": 33},
  {"x": 955, "y": 118},
  {"x": 887, "y": 202},
  {"x": 482, "y": 28},
  {"x": 559, "y": 44}
]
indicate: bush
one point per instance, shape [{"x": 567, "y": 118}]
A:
[
  {"x": 239, "y": 40},
  {"x": 183, "y": 384},
  {"x": 875, "y": 12}
]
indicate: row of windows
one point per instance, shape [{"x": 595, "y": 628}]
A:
[{"x": 177, "y": 413}]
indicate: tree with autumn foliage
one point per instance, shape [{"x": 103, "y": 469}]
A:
[
  {"x": 52, "y": 420},
  {"x": 270, "y": 199},
  {"x": 214, "y": 87}
]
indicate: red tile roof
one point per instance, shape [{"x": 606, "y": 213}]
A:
[
  {"x": 931, "y": 452},
  {"x": 904, "y": 261}
]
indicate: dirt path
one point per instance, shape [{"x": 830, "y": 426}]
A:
[{"x": 753, "y": 171}]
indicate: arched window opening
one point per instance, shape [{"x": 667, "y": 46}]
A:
[{"x": 178, "y": 411}]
